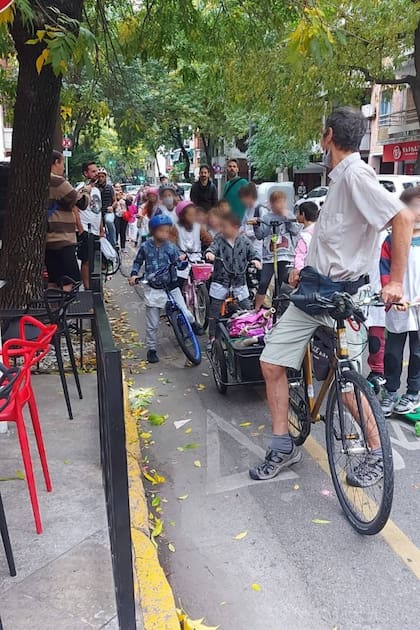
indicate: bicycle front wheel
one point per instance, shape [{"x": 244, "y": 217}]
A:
[
  {"x": 359, "y": 453},
  {"x": 202, "y": 305},
  {"x": 184, "y": 335}
]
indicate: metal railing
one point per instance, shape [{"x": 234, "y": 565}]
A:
[{"x": 114, "y": 463}]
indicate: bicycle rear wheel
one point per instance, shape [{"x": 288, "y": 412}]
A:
[
  {"x": 298, "y": 413},
  {"x": 184, "y": 334},
  {"x": 202, "y": 305},
  {"x": 355, "y": 425}
]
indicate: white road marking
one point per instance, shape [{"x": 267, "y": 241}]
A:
[
  {"x": 402, "y": 431},
  {"x": 216, "y": 481}
]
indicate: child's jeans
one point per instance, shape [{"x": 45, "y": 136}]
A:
[
  {"x": 153, "y": 317},
  {"x": 376, "y": 340},
  {"x": 393, "y": 362}
]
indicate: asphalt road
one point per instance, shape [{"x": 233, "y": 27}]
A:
[{"x": 287, "y": 573}]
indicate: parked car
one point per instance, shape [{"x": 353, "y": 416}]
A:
[
  {"x": 317, "y": 195},
  {"x": 398, "y": 183}
]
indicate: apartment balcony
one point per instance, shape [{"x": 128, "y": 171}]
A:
[{"x": 398, "y": 125}]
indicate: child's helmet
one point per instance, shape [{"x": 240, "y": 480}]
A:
[
  {"x": 158, "y": 220},
  {"x": 182, "y": 205},
  {"x": 152, "y": 191}
]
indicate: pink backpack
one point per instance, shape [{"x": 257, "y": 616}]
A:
[{"x": 251, "y": 324}]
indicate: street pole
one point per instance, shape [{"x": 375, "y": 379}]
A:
[
  {"x": 67, "y": 166},
  {"x": 250, "y": 132}
]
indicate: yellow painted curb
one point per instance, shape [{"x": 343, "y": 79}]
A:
[{"x": 155, "y": 595}]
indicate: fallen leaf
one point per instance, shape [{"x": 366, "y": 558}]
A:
[
  {"x": 296, "y": 486},
  {"x": 145, "y": 435},
  {"x": 256, "y": 587},
  {"x": 155, "y": 501},
  {"x": 204, "y": 374},
  {"x": 172, "y": 523},
  {"x": 156, "y": 420},
  {"x": 158, "y": 528},
  {"x": 189, "y": 430},
  {"x": 222, "y": 603},
  {"x": 20, "y": 474},
  {"x": 180, "y": 449},
  {"x": 240, "y": 536},
  {"x": 171, "y": 547},
  {"x": 191, "y": 447},
  {"x": 245, "y": 424},
  {"x": 66, "y": 461},
  {"x": 154, "y": 478},
  {"x": 320, "y": 521},
  {"x": 197, "y": 463},
  {"x": 200, "y": 387},
  {"x": 183, "y": 497}
]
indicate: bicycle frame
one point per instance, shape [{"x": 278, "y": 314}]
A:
[{"x": 341, "y": 357}]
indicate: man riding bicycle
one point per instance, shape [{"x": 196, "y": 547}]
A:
[{"x": 345, "y": 240}]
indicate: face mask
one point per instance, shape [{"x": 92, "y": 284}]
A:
[
  {"x": 417, "y": 226},
  {"x": 168, "y": 202},
  {"x": 326, "y": 158}
]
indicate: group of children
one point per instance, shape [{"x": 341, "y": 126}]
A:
[{"x": 221, "y": 237}]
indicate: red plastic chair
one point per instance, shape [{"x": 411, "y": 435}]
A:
[{"x": 30, "y": 353}]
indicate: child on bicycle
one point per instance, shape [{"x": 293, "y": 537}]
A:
[
  {"x": 307, "y": 216},
  {"x": 192, "y": 237},
  {"x": 402, "y": 321},
  {"x": 157, "y": 253},
  {"x": 231, "y": 253},
  {"x": 287, "y": 233}
]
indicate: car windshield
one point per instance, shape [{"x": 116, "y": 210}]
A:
[
  {"x": 388, "y": 185},
  {"x": 317, "y": 192}
]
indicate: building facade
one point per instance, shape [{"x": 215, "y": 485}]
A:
[{"x": 394, "y": 128}]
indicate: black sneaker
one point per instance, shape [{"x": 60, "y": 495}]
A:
[
  {"x": 152, "y": 356},
  {"x": 369, "y": 472},
  {"x": 377, "y": 381},
  {"x": 274, "y": 463},
  {"x": 197, "y": 330}
]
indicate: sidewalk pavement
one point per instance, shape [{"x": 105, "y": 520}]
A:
[{"x": 64, "y": 576}]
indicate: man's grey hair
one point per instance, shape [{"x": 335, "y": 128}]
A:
[{"x": 349, "y": 126}]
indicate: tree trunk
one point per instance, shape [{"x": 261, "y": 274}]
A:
[
  {"x": 177, "y": 135},
  {"x": 35, "y": 115},
  {"x": 207, "y": 148}
]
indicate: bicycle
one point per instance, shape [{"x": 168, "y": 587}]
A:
[
  {"x": 182, "y": 328},
  {"x": 195, "y": 290},
  {"x": 354, "y": 421},
  {"x": 111, "y": 259}
]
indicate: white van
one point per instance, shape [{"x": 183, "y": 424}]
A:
[
  {"x": 266, "y": 188},
  {"x": 398, "y": 183}
]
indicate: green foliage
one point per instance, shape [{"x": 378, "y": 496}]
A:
[{"x": 272, "y": 146}]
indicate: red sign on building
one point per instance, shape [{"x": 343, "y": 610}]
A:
[
  {"x": 401, "y": 151},
  {"x": 5, "y": 4}
]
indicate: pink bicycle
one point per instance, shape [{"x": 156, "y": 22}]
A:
[{"x": 196, "y": 294}]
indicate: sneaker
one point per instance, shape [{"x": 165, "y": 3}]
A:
[
  {"x": 152, "y": 356},
  {"x": 369, "y": 472},
  {"x": 197, "y": 330},
  {"x": 377, "y": 381},
  {"x": 274, "y": 463},
  {"x": 388, "y": 403},
  {"x": 407, "y": 404}
]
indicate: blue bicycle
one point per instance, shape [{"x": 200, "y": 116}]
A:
[{"x": 182, "y": 328}]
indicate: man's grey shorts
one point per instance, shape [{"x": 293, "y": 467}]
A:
[{"x": 286, "y": 343}]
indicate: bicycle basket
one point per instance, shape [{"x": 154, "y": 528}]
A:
[
  {"x": 201, "y": 272},
  {"x": 322, "y": 346}
]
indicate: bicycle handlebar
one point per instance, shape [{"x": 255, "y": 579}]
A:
[{"x": 229, "y": 271}]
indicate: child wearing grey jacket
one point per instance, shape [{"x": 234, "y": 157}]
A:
[
  {"x": 287, "y": 236},
  {"x": 231, "y": 253}
]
